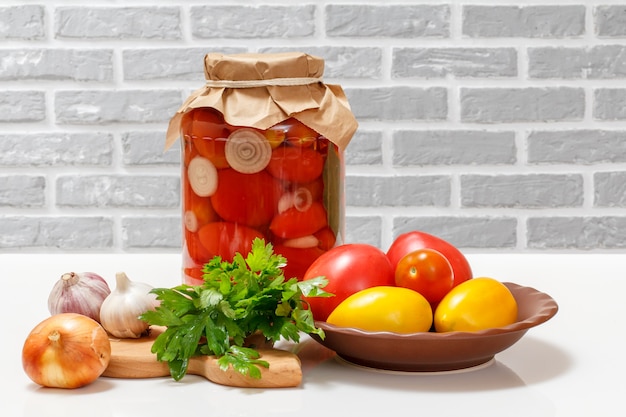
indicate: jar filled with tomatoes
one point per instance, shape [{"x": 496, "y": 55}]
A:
[{"x": 262, "y": 157}]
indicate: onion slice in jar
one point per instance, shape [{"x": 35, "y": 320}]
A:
[
  {"x": 248, "y": 151},
  {"x": 202, "y": 176},
  {"x": 308, "y": 241}
]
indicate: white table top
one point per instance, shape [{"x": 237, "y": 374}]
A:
[{"x": 573, "y": 365}]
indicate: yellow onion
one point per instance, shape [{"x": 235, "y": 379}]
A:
[{"x": 66, "y": 350}]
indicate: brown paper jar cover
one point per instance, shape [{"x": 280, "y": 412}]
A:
[{"x": 323, "y": 107}]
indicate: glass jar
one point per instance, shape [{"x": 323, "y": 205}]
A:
[
  {"x": 283, "y": 184},
  {"x": 251, "y": 170}
]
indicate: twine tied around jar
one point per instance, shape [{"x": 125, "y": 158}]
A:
[{"x": 279, "y": 82}]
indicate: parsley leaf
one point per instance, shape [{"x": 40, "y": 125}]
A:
[{"x": 236, "y": 300}]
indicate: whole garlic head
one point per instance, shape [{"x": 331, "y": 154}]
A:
[
  {"x": 78, "y": 292},
  {"x": 120, "y": 311}
]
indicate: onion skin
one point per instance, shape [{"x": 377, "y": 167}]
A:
[{"x": 66, "y": 350}]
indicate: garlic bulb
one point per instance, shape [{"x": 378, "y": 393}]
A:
[
  {"x": 120, "y": 311},
  {"x": 78, "y": 292}
]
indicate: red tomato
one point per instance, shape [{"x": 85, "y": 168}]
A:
[
  {"x": 197, "y": 210},
  {"x": 293, "y": 131},
  {"x": 296, "y": 164},
  {"x": 226, "y": 239},
  {"x": 298, "y": 259},
  {"x": 326, "y": 237},
  {"x": 294, "y": 223},
  {"x": 207, "y": 131},
  {"x": 213, "y": 150},
  {"x": 193, "y": 276},
  {"x": 299, "y": 134},
  {"x": 204, "y": 123},
  {"x": 426, "y": 271},
  {"x": 348, "y": 268},
  {"x": 414, "y": 240},
  {"x": 249, "y": 199},
  {"x": 195, "y": 249}
]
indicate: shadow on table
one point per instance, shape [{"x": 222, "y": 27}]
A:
[{"x": 540, "y": 361}]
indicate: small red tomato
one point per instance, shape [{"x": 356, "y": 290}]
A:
[
  {"x": 194, "y": 248},
  {"x": 326, "y": 238},
  {"x": 348, "y": 268},
  {"x": 293, "y": 131},
  {"x": 226, "y": 239},
  {"x": 414, "y": 240},
  {"x": 299, "y": 134},
  {"x": 249, "y": 199},
  {"x": 293, "y": 222},
  {"x": 212, "y": 149},
  {"x": 197, "y": 210},
  {"x": 296, "y": 164},
  {"x": 207, "y": 131},
  {"x": 298, "y": 259},
  {"x": 426, "y": 271}
]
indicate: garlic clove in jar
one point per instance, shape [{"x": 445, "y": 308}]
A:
[
  {"x": 120, "y": 311},
  {"x": 78, "y": 292}
]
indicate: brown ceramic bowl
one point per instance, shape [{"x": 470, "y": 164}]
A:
[{"x": 436, "y": 352}]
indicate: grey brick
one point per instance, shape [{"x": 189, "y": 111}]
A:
[
  {"x": 152, "y": 232},
  {"x": 23, "y": 22},
  {"x": 459, "y": 62},
  {"x": 22, "y": 106},
  {"x": 118, "y": 23},
  {"x": 56, "y": 149},
  {"x": 577, "y": 146},
  {"x": 399, "y": 103},
  {"x": 609, "y": 189},
  {"x": 364, "y": 229},
  {"x": 148, "y": 148},
  {"x": 68, "y": 233},
  {"x": 116, "y": 106},
  {"x": 56, "y": 64},
  {"x": 22, "y": 191},
  {"x": 342, "y": 61},
  {"x": 146, "y": 191},
  {"x": 252, "y": 21},
  {"x": 168, "y": 63},
  {"x": 399, "y": 190},
  {"x": 453, "y": 147},
  {"x": 584, "y": 233},
  {"x": 462, "y": 231},
  {"x": 608, "y": 104},
  {"x": 610, "y": 21},
  {"x": 598, "y": 62},
  {"x": 400, "y": 21},
  {"x": 529, "y": 21},
  {"x": 365, "y": 148},
  {"x": 522, "y": 190},
  {"x": 509, "y": 105}
]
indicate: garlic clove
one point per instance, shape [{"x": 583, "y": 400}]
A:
[
  {"x": 78, "y": 292},
  {"x": 120, "y": 311}
]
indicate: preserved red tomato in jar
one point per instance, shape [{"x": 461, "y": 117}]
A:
[{"x": 270, "y": 174}]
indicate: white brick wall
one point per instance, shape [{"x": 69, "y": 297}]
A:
[{"x": 499, "y": 125}]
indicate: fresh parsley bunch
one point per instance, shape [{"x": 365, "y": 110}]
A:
[{"x": 236, "y": 300}]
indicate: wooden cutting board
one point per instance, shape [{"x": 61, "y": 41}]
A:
[{"x": 132, "y": 358}]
